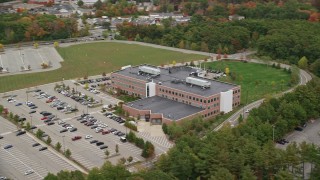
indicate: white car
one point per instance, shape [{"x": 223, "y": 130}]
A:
[
  {"x": 61, "y": 122},
  {"x": 247, "y": 111},
  {"x": 69, "y": 127},
  {"x": 88, "y": 137},
  {"x": 28, "y": 172}
]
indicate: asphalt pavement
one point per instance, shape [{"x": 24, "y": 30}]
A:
[{"x": 15, "y": 161}]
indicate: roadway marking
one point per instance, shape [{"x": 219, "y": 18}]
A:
[
  {"x": 24, "y": 164},
  {"x": 40, "y": 56},
  {"x": 6, "y": 133}
]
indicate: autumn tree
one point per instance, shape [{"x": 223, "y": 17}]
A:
[
  {"x": 1, "y": 47},
  {"x": 303, "y": 63}
]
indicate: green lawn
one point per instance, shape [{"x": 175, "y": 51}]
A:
[
  {"x": 256, "y": 80},
  {"x": 93, "y": 59}
]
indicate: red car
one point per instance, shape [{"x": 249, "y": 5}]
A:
[
  {"x": 49, "y": 101},
  {"x": 76, "y": 138},
  {"x": 105, "y": 132},
  {"x": 44, "y": 118}
]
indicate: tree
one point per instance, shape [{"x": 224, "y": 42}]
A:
[
  {"x": 122, "y": 160},
  {"x": 1, "y": 48},
  {"x": 284, "y": 175},
  {"x": 36, "y": 45},
  {"x": 56, "y": 44},
  {"x": 227, "y": 71},
  {"x": 98, "y": 4},
  {"x": 39, "y": 133},
  {"x": 130, "y": 159},
  {"x": 28, "y": 126},
  {"x": 51, "y": 177},
  {"x": 117, "y": 149},
  {"x": 68, "y": 153},
  {"x": 49, "y": 140},
  {"x": 58, "y": 146},
  {"x": 222, "y": 173},
  {"x": 248, "y": 174},
  {"x": 80, "y": 3},
  {"x": 303, "y": 63},
  {"x": 107, "y": 153}
]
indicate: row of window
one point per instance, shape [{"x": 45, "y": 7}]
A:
[
  {"x": 236, "y": 91},
  {"x": 190, "y": 97},
  {"x": 211, "y": 113},
  {"x": 130, "y": 81},
  {"x": 235, "y": 104}
]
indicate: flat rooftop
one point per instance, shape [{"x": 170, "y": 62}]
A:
[
  {"x": 170, "y": 109},
  {"x": 178, "y": 74}
]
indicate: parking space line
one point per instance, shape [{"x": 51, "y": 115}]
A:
[{"x": 23, "y": 163}]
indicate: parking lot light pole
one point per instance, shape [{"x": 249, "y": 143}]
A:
[{"x": 64, "y": 147}]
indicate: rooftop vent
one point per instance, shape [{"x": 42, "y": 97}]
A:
[
  {"x": 199, "y": 82},
  {"x": 150, "y": 70}
]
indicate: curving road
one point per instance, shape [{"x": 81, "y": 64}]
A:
[{"x": 233, "y": 120}]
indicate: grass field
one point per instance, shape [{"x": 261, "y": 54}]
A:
[
  {"x": 256, "y": 80},
  {"x": 93, "y": 59}
]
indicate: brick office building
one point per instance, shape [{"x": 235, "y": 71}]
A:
[{"x": 174, "y": 94}]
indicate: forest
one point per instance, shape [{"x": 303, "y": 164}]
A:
[
  {"x": 245, "y": 152},
  {"x": 285, "y": 32},
  {"x": 25, "y": 27}
]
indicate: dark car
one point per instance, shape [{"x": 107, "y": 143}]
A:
[
  {"x": 20, "y": 133},
  {"x": 35, "y": 144},
  {"x": 34, "y": 107},
  {"x": 94, "y": 126},
  {"x": 99, "y": 143},
  {"x": 103, "y": 147},
  {"x": 93, "y": 141},
  {"x": 46, "y": 114},
  {"x": 33, "y": 127},
  {"x": 73, "y": 129},
  {"x": 43, "y": 148},
  {"x": 83, "y": 121},
  {"x": 298, "y": 129},
  {"x": 1, "y": 137},
  {"x": 50, "y": 123},
  {"x": 63, "y": 130},
  {"x": 47, "y": 121},
  {"x": 44, "y": 135},
  {"x": 31, "y": 112},
  {"x": 8, "y": 146}
]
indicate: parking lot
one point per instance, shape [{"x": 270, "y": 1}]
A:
[
  {"x": 22, "y": 157},
  {"x": 15, "y": 60},
  {"x": 89, "y": 155}
]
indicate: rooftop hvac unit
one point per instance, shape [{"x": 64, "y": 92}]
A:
[
  {"x": 198, "y": 82},
  {"x": 150, "y": 70}
]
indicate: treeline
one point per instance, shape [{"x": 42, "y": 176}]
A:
[
  {"x": 287, "y": 40},
  {"x": 25, "y": 27},
  {"x": 109, "y": 171},
  {"x": 247, "y": 151}
]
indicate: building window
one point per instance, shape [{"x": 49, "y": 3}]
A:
[
  {"x": 166, "y": 91},
  {"x": 176, "y": 94},
  {"x": 194, "y": 98},
  {"x": 205, "y": 101},
  {"x": 200, "y": 100},
  {"x": 189, "y": 97},
  {"x": 197, "y": 99},
  {"x": 169, "y": 92}
]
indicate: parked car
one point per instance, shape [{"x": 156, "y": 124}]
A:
[
  {"x": 103, "y": 147},
  {"x": 19, "y": 133},
  {"x": 76, "y": 138},
  {"x": 298, "y": 129},
  {"x": 73, "y": 129},
  {"x": 63, "y": 130},
  {"x": 105, "y": 132},
  {"x": 7, "y": 146},
  {"x": 88, "y": 136},
  {"x": 35, "y": 144},
  {"x": 93, "y": 141},
  {"x": 50, "y": 123},
  {"x": 43, "y": 148},
  {"x": 28, "y": 172},
  {"x": 99, "y": 143}
]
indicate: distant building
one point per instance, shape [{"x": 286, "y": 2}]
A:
[
  {"x": 174, "y": 94},
  {"x": 236, "y": 17},
  {"x": 43, "y": 2},
  {"x": 89, "y": 2}
]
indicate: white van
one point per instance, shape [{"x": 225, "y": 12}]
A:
[{"x": 123, "y": 139}]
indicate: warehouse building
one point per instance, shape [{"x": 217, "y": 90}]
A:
[{"x": 174, "y": 94}]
